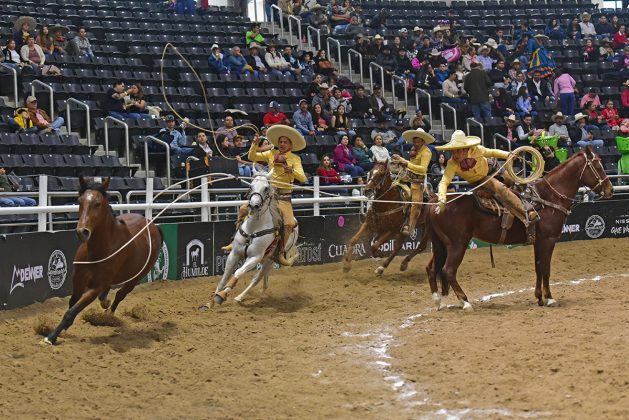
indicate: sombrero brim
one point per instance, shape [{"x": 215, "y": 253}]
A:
[
  {"x": 409, "y": 135},
  {"x": 32, "y": 23},
  {"x": 274, "y": 133},
  {"x": 458, "y": 144},
  {"x": 563, "y": 117}
]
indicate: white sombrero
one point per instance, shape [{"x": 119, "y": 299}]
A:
[
  {"x": 32, "y": 23},
  {"x": 559, "y": 115},
  {"x": 274, "y": 133},
  {"x": 580, "y": 116},
  {"x": 409, "y": 135},
  {"x": 460, "y": 141},
  {"x": 491, "y": 43}
]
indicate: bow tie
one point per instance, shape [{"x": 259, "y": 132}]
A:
[{"x": 467, "y": 164}]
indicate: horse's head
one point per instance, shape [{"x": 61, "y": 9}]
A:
[
  {"x": 93, "y": 207},
  {"x": 379, "y": 177},
  {"x": 260, "y": 191},
  {"x": 593, "y": 174}
]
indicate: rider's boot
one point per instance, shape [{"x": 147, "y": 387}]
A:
[
  {"x": 242, "y": 214},
  {"x": 411, "y": 222},
  {"x": 282, "y": 257}
]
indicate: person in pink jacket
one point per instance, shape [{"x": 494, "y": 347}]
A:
[
  {"x": 564, "y": 90},
  {"x": 345, "y": 159}
]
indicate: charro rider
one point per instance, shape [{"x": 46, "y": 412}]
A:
[
  {"x": 286, "y": 168},
  {"x": 469, "y": 161},
  {"x": 416, "y": 167}
]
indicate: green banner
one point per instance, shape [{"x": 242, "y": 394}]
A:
[{"x": 166, "y": 265}]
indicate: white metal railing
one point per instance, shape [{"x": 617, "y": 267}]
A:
[
  {"x": 126, "y": 137},
  {"x": 403, "y": 82},
  {"x": 451, "y": 108},
  {"x": 338, "y": 51},
  {"x": 472, "y": 120},
  {"x": 297, "y": 20},
  {"x": 422, "y": 92},
  {"x": 87, "y": 119},
  {"x": 373, "y": 64},
  {"x": 188, "y": 159},
  {"x": 146, "y": 156},
  {"x": 51, "y": 95},
  {"x": 501, "y": 137},
  {"x": 281, "y": 17},
  {"x": 309, "y": 31},
  {"x": 15, "y": 90},
  {"x": 351, "y": 52}
]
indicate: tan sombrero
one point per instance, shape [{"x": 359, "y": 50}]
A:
[
  {"x": 274, "y": 133},
  {"x": 409, "y": 135},
  {"x": 460, "y": 141},
  {"x": 541, "y": 36},
  {"x": 32, "y": 23},
  {"x": 580, "y": 116},
  {"x": 559, "y": 115},
  {"x": 511, "y": 117},
  {"x": 491, "y": 43}
]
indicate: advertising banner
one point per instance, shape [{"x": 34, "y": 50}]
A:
[
  {"x": 597, "y": 220},
  {"x": 166, "y": 265},
  {"x": 195, "y": 249}
]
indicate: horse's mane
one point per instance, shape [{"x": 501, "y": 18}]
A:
[
  {"x": 273, "y": 208},
  {"x": 565, "y": 162}
]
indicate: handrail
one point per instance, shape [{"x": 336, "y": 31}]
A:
[
  {"x": 338, "y": 49},
  {"x": 403, "y": 81},
  {"x": 87, "y": 119},
  {"x": 281, "y": 14},
  {"x": 451, "y": 108},
  {"x": 318, "y": 32},
  {"x": 188, "y": 159},
  {"x": 373, "y": 64},
  {"x": 472, "y": 120},
  {"x": 126, "y": 136},
  {"x": 360, "y": 63},
  {"x": 146, "y": 156},
  {"x": 15, "y": 95},
  {"x": 51, "y": 95},
  {"x": 422, "y": 92},
  {"x": 290, "y": 30},
  {"x": 500, "y": 136}
]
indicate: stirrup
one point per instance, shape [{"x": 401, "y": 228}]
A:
[
  {"x": 227, "y": 248},
  {"x": 406, "y": 230}
]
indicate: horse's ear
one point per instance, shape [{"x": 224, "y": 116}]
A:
[
  {"x": 105, "y": 183},
  {"x": 589, "y": 151},
  {"x": 82, "y": 183}
]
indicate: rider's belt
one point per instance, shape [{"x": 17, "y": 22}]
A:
[
  {"x": 284, "y": 195},
  {"x": 414, "y": 178}
]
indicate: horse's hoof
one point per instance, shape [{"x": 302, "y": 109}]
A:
[
  {"x": 205, "y": 307},
  {"x": 347, "y": 268},
  {"x": 47, "y": 342},
  {"x": 551, "y": 303},
  {"x": 540, "y": 302},
  {"x": 379, "y": 271},
  {"x": 467, "y": 307},
  {"x": 238, "y": 299},
  {"x": 218, "y": 299},
  {"x": 105, "y": 303}
]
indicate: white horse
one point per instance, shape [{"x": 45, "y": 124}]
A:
[{"x": 253, "y": 239}]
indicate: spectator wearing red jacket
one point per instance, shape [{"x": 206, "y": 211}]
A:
[
  {"x": 620, "y": 38},
  {"x": 327, "y": 173},
  {"x": 274, "y": 117},
  {"x": 610, "y": 113}
]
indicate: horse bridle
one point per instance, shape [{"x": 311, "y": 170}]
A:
[
  {"x": 589, "y": 163},
  {"x": 381, "y": 183}
]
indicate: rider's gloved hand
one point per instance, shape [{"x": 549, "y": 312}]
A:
[{"x": 441, "y": 207}]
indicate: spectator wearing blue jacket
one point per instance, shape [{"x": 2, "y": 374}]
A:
[
  {"x": 237, "y": 63},
  {"x": 554, "y": 30},
  {"x": 175, "y": 138},
  {"x": 216, "y": 60},
  {"x": 303, "y": 119},
  {"x": 442, "y": 74}
]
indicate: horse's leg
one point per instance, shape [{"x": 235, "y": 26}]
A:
[
  {"x": 347, "y": 259},
  {"x": 68, "y": 318},
  {"x": 379, "y": 241},
  {"x": 230, "y": 267},
  {"x": 538, "y": 273},
  {"x": 122, "y": 292},
  {"x": 456, "y": 252},
  {"x": 546, "y": 248},
  {"x": 233, "y": 280},
  {"x": 264, "y": 271},
  {"x": 399, "y": 241},
  {"x": 102, "y": 297}
]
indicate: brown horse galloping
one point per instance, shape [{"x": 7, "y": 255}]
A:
[
  {"x": 384, "y": 219},
  {"x": 452, "y": 230},
  {"x": 102, "y": 235}
]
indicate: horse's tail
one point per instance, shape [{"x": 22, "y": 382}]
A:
[{"x": 440, "y": 253}]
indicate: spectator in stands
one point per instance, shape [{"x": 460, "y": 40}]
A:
[
  {"x": 378, "y": 151},
  {"x": 442, "y": 74},
  {"x": 238, "y": 151},
  {"x": 295, "y": 66},
  {"x": 11, "y": 57},
  {"x": 563, "y": 89},
  {"x": 361, "y": 104},
  {"x": 23, "y": 27},
  {"x": 379, "y": 21},
  {"x": 59, "y": 41},
  {"x": 203, "y": 152},
  {"x": 397, "y": 45},
  {"x": 313, "y": 87},
  {"x": 114, "y": 103},
  {"x": 307, "y": 64},
  {"x": 523, "y": 32},
  {"x": 364, "y": 156},
  {"x": 595, "y": 117},
  {"x": 451, "y": 92},
  {"x": 341, "y": 123},
  {"x": 135, "y": 102},
  {"x": 224, "y": 146},
  {"x": 41, "y": 119},
  {"x": 303, "y": 119},
  {"x": 21, "y": 122},
  {"x": 237, "y": 63},
  {"x": 32, "y": 54},
  {"x": 418, "y": 35},
  {"x": 276, "y": 62},
  {"x": 254, "y": 35},
  {"x": 388, "y": 135},
  {"x": 426, "y": 78},
  {"x": 7, "y": 186},
  {"x": 403, "y": 66},
  {"x": 477, "y": 85},
  {"x": 435, "y": 58},
  {"x": 548, "y": 154},
  {"x": 378, "y": 104},
  {"x": 345, "y": 159},
  {"x": 45, "y": 41},
  {"x": 438, "y": 168},
  {"x": 339, "y": 19},
  {"x": 319, "y": 19},
  {"x": 353, "y": 28},
  {"x": 255, "y": 61},
  {"x": 611, "y": 115},
  {"x": 582, "y": 134},
  {"x": 175, "y": 137},
  {"x": 216, "y": 60},
  {"x": 510, "y": 132},
  {"x": 624, "y": 97},
  {"x": 494, "y": 52},
  {"x": 386, "y": 60},
  {"x": 337, "y": 99},
  {"x": 498, "y": 73},
  {"x": 419, "y": 121},
  {"x": 554, "y": 30},
  {"x": 616, "y": 22},
  {"x": 274, "y": 116},
  {"x": 539, "y": 89},
  {"x": 185, "y": 7},
  {"x": 620, "y": 37},
  {"x": 228, "y": 129},
  {"x": 484, "y": 59},
  {"x": 604, "y": 28},
  {"x": 516, "y": 84},
  {"x": 327, "y": 173},
  {"x": 323, "y": 98},
  {"x": 587, "y": 28},
  {"x": 590, "y": 53},
  {"x": 558, "y": 128},
  {"x": 527, "y": 133},
  {"x": 573, "y": 31},
  {"x": 468, "y": 54},
  {"x": 590, "y": 96},
  {"x": 320, "y": 120},
  {"x": 516, "y": 67},
  {"x": 81, "y": 44},
  {"x": 377, "y": 44}
]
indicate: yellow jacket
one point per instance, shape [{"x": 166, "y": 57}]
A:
[
  {"x": 280, "y": 178},
  {"x": 419, "y": 164},
  {"x": 28, "y": 123},
  {"x": 475, "y": 174}
]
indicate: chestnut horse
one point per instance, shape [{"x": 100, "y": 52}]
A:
[
  {"x": 110, "y": 253},
  {"x": 384, "y": 219},
  {"x": 452, "y": 230}
]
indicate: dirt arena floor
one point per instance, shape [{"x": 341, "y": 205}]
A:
[{"x": 323, "y": 344}]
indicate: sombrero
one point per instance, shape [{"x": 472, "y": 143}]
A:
[
  {"x": 542, "y": 37},
  {"x": 460, "y": 141},
  {"x": 274, "y": 133},
  {"x": 491, "y": 43},
  {"x": 580, "y": 116},
  {"x": 559, "y": 115},
  {"x": 435, "y": 52},
  {"x": 317, "y": 7},
  {"x": 585, "y": 14},
  {"x": 511, "y": 118},
  {"x": 409, "y": 135},
  {"x": 55, "y": 28},
  {"x": 32, "y": 23}
]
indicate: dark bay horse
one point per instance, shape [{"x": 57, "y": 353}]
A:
[
  {"x": 103, "y": 236},
  {"x": 452, "y": 230},
  {"x": 385, "y": 220}
]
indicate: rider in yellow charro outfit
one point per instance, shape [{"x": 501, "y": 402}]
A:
[
  {"x": 417, "y": 168},
  {"x": 469, "y": 161}
]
